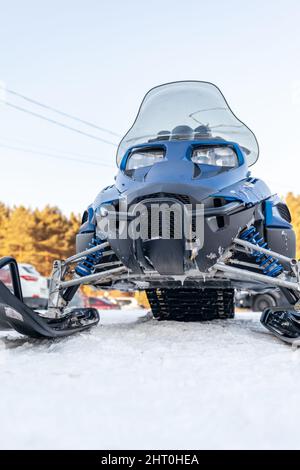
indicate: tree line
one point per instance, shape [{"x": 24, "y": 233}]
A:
[
  {"x": 293, "y": 203},
  {"x": 37, "y": 237},
  {"x": 40, "y": 236}
]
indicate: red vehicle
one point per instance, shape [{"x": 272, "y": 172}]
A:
[{"x": 101, "y": 303}]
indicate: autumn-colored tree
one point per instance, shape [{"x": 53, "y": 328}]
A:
[
  {"x": 294, "y": 205},
  {"x": 4, "y": 214},
  {"x": 18, "y": 233},
  {"x": 37, "y": 236},
  {"x": 54, "y": 237}
]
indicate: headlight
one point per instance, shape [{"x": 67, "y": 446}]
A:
[
  {"x": 141, "y": 158},
  {"x": 218, "y": 156}
]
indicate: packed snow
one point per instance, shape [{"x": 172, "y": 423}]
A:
[{"x": 134, "y": 382}]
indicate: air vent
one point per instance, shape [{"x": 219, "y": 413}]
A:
[
  {"x": 184, "y": 199},
  {"x": 85, "y": 217},
  {"x": 284, "y": 211}
]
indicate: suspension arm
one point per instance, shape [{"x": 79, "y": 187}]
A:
[
  {"x": 84, "y": 253},
  {"x": 92, "y": 278},
  {"x": 253, "y": 247},
  {"x": 243, "y": 274}
]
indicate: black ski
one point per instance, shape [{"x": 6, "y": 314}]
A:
[{"x": 15, "y": 314}]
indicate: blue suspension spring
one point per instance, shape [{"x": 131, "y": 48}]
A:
[
  {"x": 271, "y": 266},
  {"x": 86, "y": 267}
]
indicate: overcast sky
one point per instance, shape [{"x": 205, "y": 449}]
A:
[{"x": 97, "y": 59}]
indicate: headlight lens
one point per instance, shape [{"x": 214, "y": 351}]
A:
[
  {"x": 217, "y": 156},
  {"x": 141, "y": 158}
]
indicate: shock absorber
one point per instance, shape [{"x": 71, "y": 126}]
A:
[
  {"x": 86, "y": 266},
  {"x": 270, "y": 266}
]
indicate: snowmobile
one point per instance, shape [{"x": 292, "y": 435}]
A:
[{"x": 185, "y": 221}]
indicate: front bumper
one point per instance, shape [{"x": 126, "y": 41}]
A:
[{"x": 177, "y": 255}]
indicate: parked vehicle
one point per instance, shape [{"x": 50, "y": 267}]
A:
[
  {"x": 101, "y": 303},
  {"x": 259, "y": 301},
  {"x": 79, "y": 300},
  {"x": 5, "y": 277},
  {"x": 34, "y": 286},
  {"x": 127, "y": 302}
]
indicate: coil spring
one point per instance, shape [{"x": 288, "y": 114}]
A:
[
  {"x": 86, "y": 267},
  {"x": 271, "y": 266}
]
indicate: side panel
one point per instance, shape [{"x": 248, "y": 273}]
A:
[
  {"x": 281, "y": 240},
  {"x": 83, "y": 240},
  {"x": 216, "y": 239},
  {"x": 279, "y": 233}
]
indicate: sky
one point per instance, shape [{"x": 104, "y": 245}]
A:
[{"x": 96, "y": 60}]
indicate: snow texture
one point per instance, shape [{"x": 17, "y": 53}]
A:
[{"x": 134, "y": 382}]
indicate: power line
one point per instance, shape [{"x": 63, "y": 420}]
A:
[
  {"x": 60, "y": 157},
  {"x": 62, "y": 113},
  {"x": 57, "y": 123},
  {"x": 36, "y": 147}
]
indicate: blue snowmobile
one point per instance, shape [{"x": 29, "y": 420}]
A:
[{"x": 185, "y": 221}]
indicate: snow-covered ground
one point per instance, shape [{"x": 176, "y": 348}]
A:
[{"x": 136, "y": 383}]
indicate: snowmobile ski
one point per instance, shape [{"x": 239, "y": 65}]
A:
[
  {"x": 15, "y": 314},
  {"x": 283, "y": 322}
]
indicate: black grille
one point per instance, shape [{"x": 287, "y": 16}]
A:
[
  {"x": 284, "y": 211},
  {"x": 155, "y": 225},
  {"x": 178, "y": 197}
]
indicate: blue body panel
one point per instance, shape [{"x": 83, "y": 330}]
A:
[
  {"x": 249, "y": 190},
  {"x": 175, "y": 174},
  {"x": 90, "y": 224},
  {"x": 273, "y": 218}
]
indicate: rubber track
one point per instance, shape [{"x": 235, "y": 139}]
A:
[{"x": 186, "y": 304}]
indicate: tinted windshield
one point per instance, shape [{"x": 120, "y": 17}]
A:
[{"x": 188, "y": 111}]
